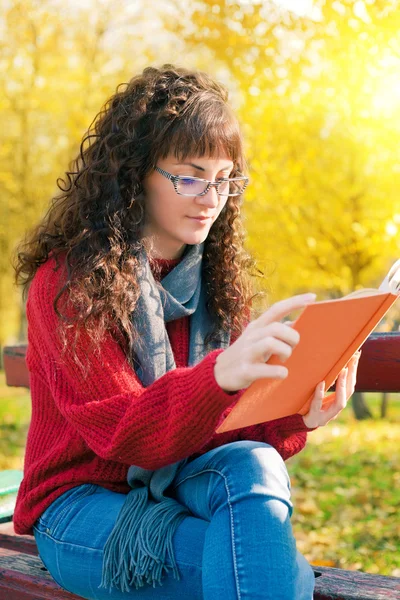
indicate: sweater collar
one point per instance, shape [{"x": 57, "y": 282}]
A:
[{"x": 160, "y": 267}]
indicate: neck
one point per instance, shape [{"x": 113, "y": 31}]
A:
[
  {"x": 161, "y": 251},
  {"x": 161, "y": 259},
  {"x": 169, "y": 256}
]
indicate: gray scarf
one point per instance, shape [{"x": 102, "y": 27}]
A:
[{"x": 141, "y": 540}]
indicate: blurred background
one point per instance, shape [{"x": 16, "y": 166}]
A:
[{"x": 316, "y": 86}]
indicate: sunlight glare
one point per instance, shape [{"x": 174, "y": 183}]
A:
[
  {"x": 300, "y": 7},
  {"x": 386, "y": 99}
]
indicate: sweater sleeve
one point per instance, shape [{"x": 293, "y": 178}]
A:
[
  {"x": 288, "y": 435},
  {"x": 109, "y": 408}
]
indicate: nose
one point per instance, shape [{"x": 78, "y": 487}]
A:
[{"x": 211, "y": 199}]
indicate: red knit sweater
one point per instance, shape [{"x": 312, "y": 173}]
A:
[{"x": 90, "y": 429}]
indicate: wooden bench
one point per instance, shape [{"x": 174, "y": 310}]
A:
[{"x": 23, "y": 575}]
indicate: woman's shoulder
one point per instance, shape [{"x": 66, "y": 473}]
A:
[{"x": 48, "y": 278}]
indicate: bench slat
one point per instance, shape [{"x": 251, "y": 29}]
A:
[
  {"x": 9, "y": 484},
  {"x": 23, "y": 577},
  {"x": 379, "y": 366},
  {"x": 338, "y": 584},
  {"x": 20, "y": 543},
  {"x": 10, "y": 480},
  {"x": 16, "y": 370}
]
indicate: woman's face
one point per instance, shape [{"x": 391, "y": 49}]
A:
[{"x": 169, "y": 216}]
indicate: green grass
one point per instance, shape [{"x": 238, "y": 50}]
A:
[
  {"x": 15, "y": 414},
  {"x": 346, "y": 492},
  {"x": 345, "y": 483}
]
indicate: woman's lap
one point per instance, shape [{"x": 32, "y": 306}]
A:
[
  {"x": 243, "y": 490},
  {"x": 222, "y": 488}
]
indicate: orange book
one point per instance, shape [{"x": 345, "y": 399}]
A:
[{"x": 331, "y": 331}]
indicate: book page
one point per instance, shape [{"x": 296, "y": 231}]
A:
[{"x": 361, "y": 293}]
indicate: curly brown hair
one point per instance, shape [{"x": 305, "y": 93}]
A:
[{"x": 96, "y": 221}]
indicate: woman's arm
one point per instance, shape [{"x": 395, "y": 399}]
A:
[
  {"x": 116, "y": 416},
  {"x": 287, "y": 435}
]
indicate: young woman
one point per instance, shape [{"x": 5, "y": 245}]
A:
[{"x": 140, "y": 342}]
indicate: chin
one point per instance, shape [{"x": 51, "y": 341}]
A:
[{"x": 195, "y": 239}]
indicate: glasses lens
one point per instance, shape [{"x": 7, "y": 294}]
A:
[
  {"x": 191, "y": 187},
  {"x": 232, "y": 188}
]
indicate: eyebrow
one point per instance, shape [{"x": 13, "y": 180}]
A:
[{"x": 201, "y": 168}]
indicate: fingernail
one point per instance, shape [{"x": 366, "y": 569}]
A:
[{"x": 310, "y": 297}]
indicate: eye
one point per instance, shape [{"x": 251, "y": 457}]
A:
[{"x": 188, "y": 181}]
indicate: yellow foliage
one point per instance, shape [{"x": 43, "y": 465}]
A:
[{"x": 317, "y": 100}]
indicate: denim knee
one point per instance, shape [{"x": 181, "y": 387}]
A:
[
  {"x": 250, "y": 467},
  {"x": 256, "y": 456}
]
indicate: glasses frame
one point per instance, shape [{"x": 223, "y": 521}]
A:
[{"x": 176, "y": 178}]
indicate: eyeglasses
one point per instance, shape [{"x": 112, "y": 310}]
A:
[{"x": 193, "y": 186}]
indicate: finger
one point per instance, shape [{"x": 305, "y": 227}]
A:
[
  {"x": 356, "y": 356},
  {"x": 352, "y": 376},
  {"x": 256, "y": 371},
  {"x": 313, "y": 417},
  {"x": 345, "y": 387},
  {"x": 319, "y": 394},
  {"x": 284, "y": 307},
  {"x": 279, "y": 331},
  {"x": 340, "y": 398},
  {"x": 269, "y": 346},
  {"x": 290, "y": 323},
  {"x": 337, "y": 400}
]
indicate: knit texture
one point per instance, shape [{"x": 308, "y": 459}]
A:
[
  {"x": 91, "y": 429},
  {"x": 139, "y": 549}
]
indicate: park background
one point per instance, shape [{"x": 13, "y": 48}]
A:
[{"x": 316, "y": 86}]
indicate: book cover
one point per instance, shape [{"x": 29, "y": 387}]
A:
[{"x": 331, "y": 331}]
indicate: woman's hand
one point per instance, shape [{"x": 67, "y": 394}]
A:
[
  {"x": 345, "y": 385},
  {"x": 244, "y": 361}
]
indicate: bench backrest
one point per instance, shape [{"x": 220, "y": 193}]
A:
[{"x": 378, "y": 368}]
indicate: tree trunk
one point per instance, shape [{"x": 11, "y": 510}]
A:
[
  {"x": 360, "y": 408},
  {"x": 384, "y": 404}
]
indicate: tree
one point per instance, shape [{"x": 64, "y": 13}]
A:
[
  {"x": 322, "y": 210},
  {"x": 55, "y": 75}
]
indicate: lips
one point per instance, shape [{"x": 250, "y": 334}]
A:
[{"x": 200, "y": 218}]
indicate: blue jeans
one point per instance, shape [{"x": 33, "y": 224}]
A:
[{"x": 238, "y": 545}]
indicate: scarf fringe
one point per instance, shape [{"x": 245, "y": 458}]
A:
[{"x": 141, "y": 542}]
